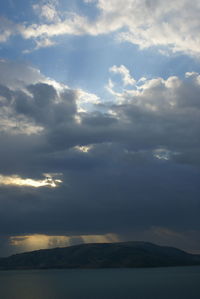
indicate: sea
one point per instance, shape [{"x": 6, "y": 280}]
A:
[{"x": 146, "y": 283}]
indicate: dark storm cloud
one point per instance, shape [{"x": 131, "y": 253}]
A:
[
  {"x": 166, "y": 114},
  {"x": 41, "y": 105},
  {"x": 140, "y": 169},
  {"x": 100, "y": 202}
]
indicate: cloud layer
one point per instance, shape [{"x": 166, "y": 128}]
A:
[
  {"x": 171, "y": 27},
  {"x": 129, "y": 166}
]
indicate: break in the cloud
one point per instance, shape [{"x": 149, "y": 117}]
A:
[
  {"x": 145, "y": 23},
  {"x": 15, "y": 180},
  {"x": 128, "y": 165},
  {"x": 31, "y": 242}
]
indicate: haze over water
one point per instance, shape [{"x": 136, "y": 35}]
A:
[{"x": 157, "y": 283}]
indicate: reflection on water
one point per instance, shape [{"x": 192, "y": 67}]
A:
[{"x": 160, "y": 283}]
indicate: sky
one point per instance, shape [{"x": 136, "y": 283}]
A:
[{"x": 99, "y": 123}]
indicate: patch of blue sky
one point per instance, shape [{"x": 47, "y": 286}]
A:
[
  {"x": 22, "y": 10},
  {"x": 84, "y": 61},
  {"x": 178, "y": 64},
  {"x": 18, "y": 11},
  {"x": 13, "y": 48}
]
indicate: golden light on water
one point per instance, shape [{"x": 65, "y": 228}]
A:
[{"x": 15, "y": 180}]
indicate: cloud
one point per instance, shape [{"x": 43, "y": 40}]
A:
[
  {"x": 30, "y": 102},
  {"x": 47, "y": 10},
  {"x": 167, "y": 110},
  {"x": 158, "y": 115},
  {"x": 7, "y": 29},
  {"x": 15, "y": 180},
  {"x": 41, "y": 43},
  {"x": 124, "y": 72},
  {"x": 72, "y": 25},
  {"x": 153, "y": 23},
  {"x": 127, "y": 165},
  {"x": 145, "y": 23},
  {"x": 172, "y": 28},
  {"x": 83, "y": 149},
  {"x": 12, "y": 80}
]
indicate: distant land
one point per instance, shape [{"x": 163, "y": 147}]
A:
[{"x": 101, "y": 255}]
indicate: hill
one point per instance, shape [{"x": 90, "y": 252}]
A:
[{"x": 111, "y": 255}]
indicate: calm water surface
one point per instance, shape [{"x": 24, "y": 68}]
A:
[{"x": 159, "y": 283}]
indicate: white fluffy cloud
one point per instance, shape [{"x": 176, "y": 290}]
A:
[
  {"x": 174, "y": 25},
  {"x": 125, "y": 74},
  {"x": 155, "y": 23},
  {"x": 47, "y": 10}
]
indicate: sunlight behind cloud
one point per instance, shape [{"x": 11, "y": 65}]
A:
[
  {"x": 15, "y": 180},
  {"x": 42, "y": 241},
  {"x": 125, "y": 74},
  {"x": 83, "y": 149}
]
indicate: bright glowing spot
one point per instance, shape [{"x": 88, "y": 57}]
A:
[
  {"x": 83, "y": 148},
  {"x": 15, "y": 180},
  {"x": 78, "y": 119},
  {"x": 86, "y": 100},
  {"x": 162, "y": 154}
]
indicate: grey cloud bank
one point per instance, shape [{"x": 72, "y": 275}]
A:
[{"x": 138, "y": 178}]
